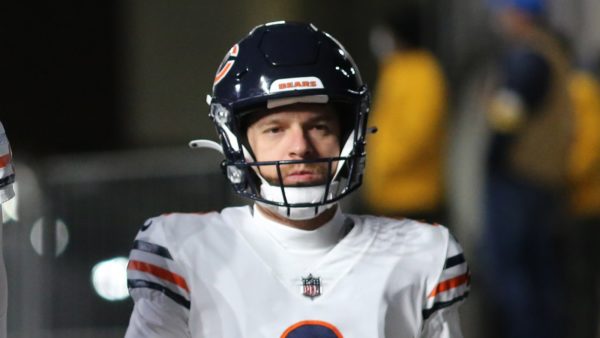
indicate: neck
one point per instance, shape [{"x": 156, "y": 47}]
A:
[{"x": 307, "y": 224}]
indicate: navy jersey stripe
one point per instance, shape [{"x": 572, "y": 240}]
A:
[
  {"x": 7, "y": 180},
  {"x": 454, "y": 261},
  {"x": 177, "y": 298},
  {"x": 152, "y": 248},
  {"x": 436, "y": 306}
]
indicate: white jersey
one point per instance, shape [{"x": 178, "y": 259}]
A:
[
  {"x": 229, "y": 274},
  {"x": 7, "y": 173},
  {"x": 7, "y": 177}
]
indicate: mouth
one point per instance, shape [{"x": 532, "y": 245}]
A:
[
  {"x": 297, "y": 175},
  {"x": 303, "y": 177}
]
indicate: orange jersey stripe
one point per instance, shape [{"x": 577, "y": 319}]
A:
[
  {"x": 450, "y": 284},
  {"x": 159, "y": 272},
  {"x": 5, "y": 160}
]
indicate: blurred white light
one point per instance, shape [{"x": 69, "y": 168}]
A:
[
  {"x": 109, "y": 279},
  {"x": 9, "y": 208},
  {"x": 61, "y": 238}
]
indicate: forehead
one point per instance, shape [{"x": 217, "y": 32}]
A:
[{"x": 302, "y": 112}]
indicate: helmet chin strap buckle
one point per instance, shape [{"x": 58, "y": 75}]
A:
[{"x": 197, "y": 144}]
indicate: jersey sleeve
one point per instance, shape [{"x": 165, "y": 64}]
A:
[
  {"x": 7, "y": 172},
  {"x": 157, "y": 285},
  {"x": 440, "y": 315}
]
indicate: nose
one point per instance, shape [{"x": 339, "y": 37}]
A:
[{"x": 300, "y": 144}]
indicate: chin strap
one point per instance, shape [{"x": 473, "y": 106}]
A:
[{"x": 295, "y": 195}]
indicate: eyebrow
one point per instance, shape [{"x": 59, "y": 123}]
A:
[{"x": 318, "y": 117}]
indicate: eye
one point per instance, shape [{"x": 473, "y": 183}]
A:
[
  {"x": 322, "y": 127},
  {"x": 272, "y": 130}
]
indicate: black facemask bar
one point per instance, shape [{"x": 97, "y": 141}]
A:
[
  {"x": 242, "y": 174},
  {"x": 246, "y": 182}
]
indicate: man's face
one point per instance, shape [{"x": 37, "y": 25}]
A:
[{"x": 296, "y": 132}]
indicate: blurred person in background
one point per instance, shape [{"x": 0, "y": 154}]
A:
[
  {"x": 7, "y": 177},
  {"x": 530, "y": 120},
  {"x": 583, "y": 237},
  {"x": 405, "y": 172}
]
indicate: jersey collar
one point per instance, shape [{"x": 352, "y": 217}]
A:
[{"x": 323, "y": 238}]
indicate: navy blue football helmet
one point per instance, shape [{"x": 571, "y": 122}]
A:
[{"x": 284, "y": 63}]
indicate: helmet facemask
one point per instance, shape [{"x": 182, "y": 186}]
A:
[{"x": 343, "y": 173}]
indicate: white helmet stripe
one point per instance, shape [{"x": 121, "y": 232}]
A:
[{"x": 345, "y": 152}]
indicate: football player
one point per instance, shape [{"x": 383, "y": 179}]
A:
[
  {"x": 290, "y": 109},
  {"x": 7, "y": 177}
]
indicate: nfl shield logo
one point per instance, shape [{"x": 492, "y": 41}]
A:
[{"x": 311, "y": 286}]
